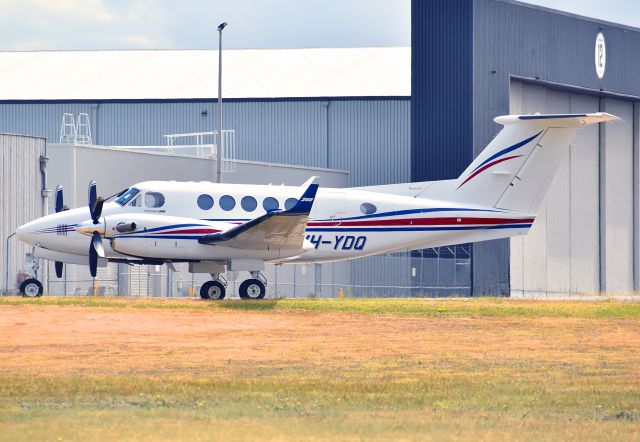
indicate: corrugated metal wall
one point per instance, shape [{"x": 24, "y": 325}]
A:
[
  {"x": 509, "y": 40},
  {"x": 368, "y": 137},
  {"x": 441, "y": 87},
  {"x": 20, "y": 199}
]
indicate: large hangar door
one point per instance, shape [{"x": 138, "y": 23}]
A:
[
  {"x": 561, "y": 254},
  {"x": 616, "y": 154}
]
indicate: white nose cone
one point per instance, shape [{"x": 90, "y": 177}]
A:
[{"x": 27, "y": 233}]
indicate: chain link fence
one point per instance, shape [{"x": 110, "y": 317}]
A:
[{"x": 423, "y": 273}]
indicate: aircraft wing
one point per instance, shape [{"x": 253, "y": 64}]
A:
[{"x": 278, "y": 229}]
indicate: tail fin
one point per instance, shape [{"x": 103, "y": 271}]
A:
[{"x": 515, "y": 170}]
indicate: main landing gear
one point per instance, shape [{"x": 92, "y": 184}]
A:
[
  {"x": 215, "y": 289},
  {"x": 253, "y": 288}
]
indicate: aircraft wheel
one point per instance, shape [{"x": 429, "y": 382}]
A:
[
  {"x": 212, "y": 290},
  {"x": 31, "y": 287},
  {"x": 252, "y": 289}
]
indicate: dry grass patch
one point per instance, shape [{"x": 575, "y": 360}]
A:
[{"x": 350, "y": 369}]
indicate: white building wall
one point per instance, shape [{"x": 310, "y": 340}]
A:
[{"x": 113, "y": 169}]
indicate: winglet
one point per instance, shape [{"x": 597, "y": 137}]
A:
[
  {"x": 309, "y": 182},
  {"x": 305, "y": 203}
]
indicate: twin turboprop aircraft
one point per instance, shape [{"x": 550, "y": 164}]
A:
[{"x": 220, "y": 227}]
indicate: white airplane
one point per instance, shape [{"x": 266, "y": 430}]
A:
[{"x": 219, "y": 227}]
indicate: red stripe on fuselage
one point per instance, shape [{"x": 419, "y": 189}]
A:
[{"x": 425, "y": 222}]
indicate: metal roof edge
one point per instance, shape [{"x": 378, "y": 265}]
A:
[
  {"x": 36, "y": 51},
  {"x": 132, "y": 149},
  {"x": 570, "y": 14},
  {"x": 23, "y": 135},
  {"x": 208, "y": 100},
  {"x": 576, "y": 89}
]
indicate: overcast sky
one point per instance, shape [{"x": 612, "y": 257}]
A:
[{"x": 143, "y": 24}]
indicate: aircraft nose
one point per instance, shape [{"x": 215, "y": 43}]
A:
[{"x": 27, "y": 233}]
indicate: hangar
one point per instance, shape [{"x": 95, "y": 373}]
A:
[
  {"x": 475, "y": 59},
  {"x": 324, "y": 111},
  {"x": 390, "y": 115}
]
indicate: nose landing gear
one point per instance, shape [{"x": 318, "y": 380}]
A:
[{"x": 31, "y": 288}]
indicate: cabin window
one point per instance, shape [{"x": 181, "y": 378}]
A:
[
  {"x": 205, "y": 202},
  {"x": 269, "y": 204},
  {"x": 249, "y": 203},
  {"x": 126, "y": 196},
  {"x": 290, "y": 203},
  {"x": 227, "y": 202},
  {"x": 368, "y": 208},
  {"x": 153, "y": 199}
]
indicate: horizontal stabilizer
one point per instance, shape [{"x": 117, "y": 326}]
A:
[{"x": 557, "y": 120}]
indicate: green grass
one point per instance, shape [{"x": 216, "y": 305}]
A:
[
  {"x": 495, "y": 369},
  {"x": 499, "y": 307},
  {"x": 298, "y": 405}
]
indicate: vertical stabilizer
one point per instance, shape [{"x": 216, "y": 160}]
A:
[{"x": 515, "y": 170}]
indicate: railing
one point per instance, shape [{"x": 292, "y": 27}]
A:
[{"x": 205, "y": 145}]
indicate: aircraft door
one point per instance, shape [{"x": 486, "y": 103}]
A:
[{"x": 330, "y": 207}]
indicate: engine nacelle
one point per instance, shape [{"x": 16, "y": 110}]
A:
[{"x": 126, "y": 227}]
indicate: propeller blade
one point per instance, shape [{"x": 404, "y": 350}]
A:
[
  {"x": 95, "y": 251},
  {"x": 96, "y": 210},
  {"x": 59, "y": 269},
  {"x": 96, "y": 243},
  {"x": 93, "y": 261},
  {"x": 95, "y": 202},
  {"x": 59, "y": 199},
  {"x": 93, "y": 194}
]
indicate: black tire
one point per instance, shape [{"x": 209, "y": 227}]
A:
[
  {"x": 252, "y": 289},
  {"x": 31, "y": 288},
  {"x": 212, "y": 290}
]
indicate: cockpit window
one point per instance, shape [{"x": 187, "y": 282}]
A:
[
  {"x": 137, "y": 201},
  {"x": 126, "y": 196},
  {"x": 153, "y": 199}
]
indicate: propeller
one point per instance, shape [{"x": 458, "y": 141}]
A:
[
  {"x": 95, "y": 203},
  {"x": 60, "y": 207},
  {"x": 96, "y": 250}
]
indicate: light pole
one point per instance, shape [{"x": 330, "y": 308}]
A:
[{"x": 220, "y": 146}]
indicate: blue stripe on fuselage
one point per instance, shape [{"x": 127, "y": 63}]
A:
[
  {"x": 358, "y": 229},
  {"x": 409, "y": 212}
]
